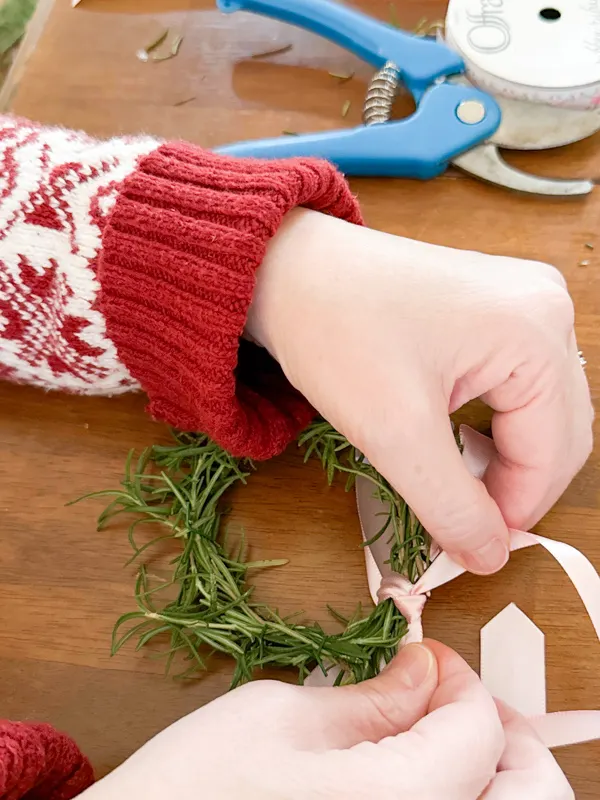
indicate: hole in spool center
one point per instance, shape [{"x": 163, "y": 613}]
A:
[{"x": 550, "y": 14}]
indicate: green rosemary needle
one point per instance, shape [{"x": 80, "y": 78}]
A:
[{"x": 207, "y": 606}]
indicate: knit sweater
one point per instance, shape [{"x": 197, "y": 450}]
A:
[{"x": 130, "y": 265}]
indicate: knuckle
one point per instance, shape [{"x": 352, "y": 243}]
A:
[
  {"x": 561, "y": 306},
  {"x": 543, "y": 320},
  {"x": 551, "y": 273},
  {"x": 541, "y": 270},
  {"x": 585, "y": 448},
  {"x": 588, "y": 442},
  {"x": 553, "y": 305},
  {"x": 539, "y": 299}
]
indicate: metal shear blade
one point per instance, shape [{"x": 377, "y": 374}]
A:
[
  {"x": 528, "y": 126},
  {"x": 485, "y": 162}
]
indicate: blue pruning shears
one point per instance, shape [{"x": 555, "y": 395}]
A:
[{"x": 450, "y": 119}]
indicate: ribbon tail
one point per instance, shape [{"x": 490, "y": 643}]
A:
[
  {"x": 318, "y": 679},
  {"x": 564, "y": 728},
  {"x": 370, "y": 510},
  {"x": 513, "y": 661},
  {"x": 580, "y": 570}
]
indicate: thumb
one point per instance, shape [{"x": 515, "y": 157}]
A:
[
  {"x": 425, "y": 466},
  {"x": 384, "y": 706}
]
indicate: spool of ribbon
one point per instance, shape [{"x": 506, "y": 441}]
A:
[{"x": 540, "y": 55}]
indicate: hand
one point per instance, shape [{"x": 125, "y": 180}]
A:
[
  {"x": 424, "y": 729},
  {"x": 387, "y": 336},
  {"x": 527, "y": 768}
]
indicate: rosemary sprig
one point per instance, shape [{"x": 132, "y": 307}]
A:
[
  {"x": 409, "y": 542},
  {"x": 146, "y": 54},
  {"x": 184, "y": 102},
  {"x": 173, "y": 52},
  {"x": 207, "y": 605},
  {"x": 342, "y": 77}
]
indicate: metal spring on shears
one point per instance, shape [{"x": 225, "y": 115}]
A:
[{"x": 381, "y": 95}]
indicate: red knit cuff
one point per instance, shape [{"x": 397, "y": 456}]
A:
[
  {"x": 180, "y": 253},
  {"x": 39, "y": 763}
]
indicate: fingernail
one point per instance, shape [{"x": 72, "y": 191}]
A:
[
  {"x": 488, "y": 559},
  {"x": 416, "y": 664}
]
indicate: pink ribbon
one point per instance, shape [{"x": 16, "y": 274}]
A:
[
  {"x": 559, "y": 729},
  {"x": 408, "y": 602}
]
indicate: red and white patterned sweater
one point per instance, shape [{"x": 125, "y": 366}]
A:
[{"x": 129, "y": 264}]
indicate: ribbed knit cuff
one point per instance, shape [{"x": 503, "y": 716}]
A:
[
  {"x": 180, "y": 252},
  {"x": 38, "y": 762}
]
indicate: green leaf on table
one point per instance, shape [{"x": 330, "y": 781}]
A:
[{"x": 14, "y": 16}]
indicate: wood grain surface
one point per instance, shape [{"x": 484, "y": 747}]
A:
[{"x": 62, "y": 584}]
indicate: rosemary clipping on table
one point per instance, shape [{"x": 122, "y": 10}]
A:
[{"x": 208, "y": 604}]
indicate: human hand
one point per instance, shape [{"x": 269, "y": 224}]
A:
[
  {"x": 387, "y": 336},
  {"x": 424, "y": 729},
  {"x": 527, "y": 768}
]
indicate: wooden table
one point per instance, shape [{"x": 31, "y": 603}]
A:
[{"x": 62, "y": 585}]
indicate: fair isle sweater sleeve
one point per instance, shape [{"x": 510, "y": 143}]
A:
[
  {"x": 130, "y": 264},
  {"x": 56, "y": 190}
]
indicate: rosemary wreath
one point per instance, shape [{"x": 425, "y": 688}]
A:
[{"x": 207, "y": 606}]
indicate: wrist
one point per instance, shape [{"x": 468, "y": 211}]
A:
[
  {"x": 273, "y": 279},
  {"x": 315, "y": 269},
  {"x": 301, "y": 260}
]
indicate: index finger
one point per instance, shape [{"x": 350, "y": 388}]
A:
[{"x": 541, "y": 446}]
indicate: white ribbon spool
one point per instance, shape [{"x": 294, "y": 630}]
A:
[{"x": 541, "y": 51}]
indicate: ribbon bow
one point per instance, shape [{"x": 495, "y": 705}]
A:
[
  {"x": 409, "y": 602},
  {"x": 559, "y": 729}
]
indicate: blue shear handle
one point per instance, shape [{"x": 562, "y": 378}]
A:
[
  {"x": 420, "y": 60},
  {"x": 418, "y": 147}
]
